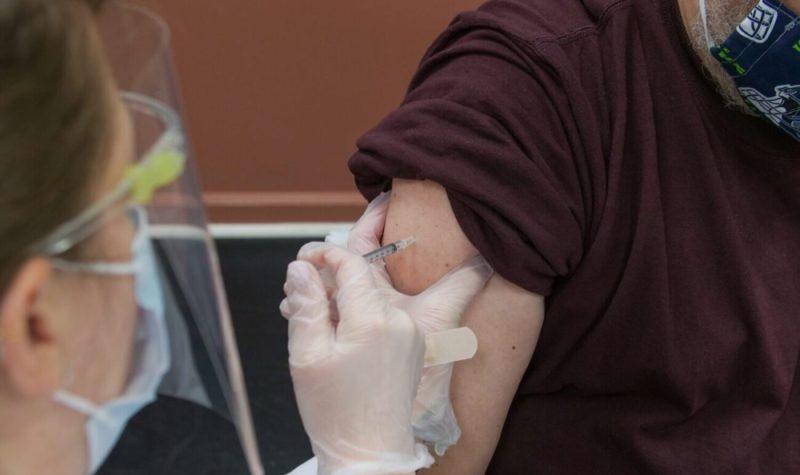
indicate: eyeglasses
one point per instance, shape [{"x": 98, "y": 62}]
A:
[{"x": 161, "y": 165}]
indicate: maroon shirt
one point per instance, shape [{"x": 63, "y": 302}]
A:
[{"x": 587, "y": 158}]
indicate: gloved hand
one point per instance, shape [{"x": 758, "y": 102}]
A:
[
  {"x": 354, "y": 380},
  {"x": 436, "y": 309}
]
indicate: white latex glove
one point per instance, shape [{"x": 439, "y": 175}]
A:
[
  {"x": 440, "y": 308},
  {"x": 354, "y": 381},
  {"x": 436, "y": 309}
]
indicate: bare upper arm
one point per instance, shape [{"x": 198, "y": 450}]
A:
[{"x": 506, "y": 319}]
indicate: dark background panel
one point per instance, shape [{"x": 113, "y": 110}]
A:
[
  {"x": 175, "y": 437},
  {"x": 254, "y": 272}
]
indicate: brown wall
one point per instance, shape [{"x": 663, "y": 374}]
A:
[{"x": 277, "y": 91}]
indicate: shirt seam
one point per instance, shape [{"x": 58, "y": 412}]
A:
[{"x": 578, "y": 34}]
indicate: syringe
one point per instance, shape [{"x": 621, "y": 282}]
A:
[{"x": 389, "y": 249}]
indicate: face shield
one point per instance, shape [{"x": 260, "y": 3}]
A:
[{"x": 204, "y": 363}]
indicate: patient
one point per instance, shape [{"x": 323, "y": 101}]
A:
[
  {"x": 580, "y": 147},
  {"x": 506, "y": 318}
]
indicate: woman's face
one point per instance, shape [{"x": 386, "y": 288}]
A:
[{"x": 98, "y": 312}]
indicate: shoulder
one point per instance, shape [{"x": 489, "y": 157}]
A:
[
  {"x": 551, "y": 36},
  {"x": 543, "y": 20}
]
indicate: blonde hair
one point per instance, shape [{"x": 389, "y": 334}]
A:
[{"x": 55, "y": 119}]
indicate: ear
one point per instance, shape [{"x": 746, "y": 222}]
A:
[{"x": 31, "y": 358}]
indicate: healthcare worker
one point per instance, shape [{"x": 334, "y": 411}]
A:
[{"x": 110, "y": 294}]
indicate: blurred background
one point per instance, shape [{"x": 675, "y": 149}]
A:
[{"x": 276, "y": 92}]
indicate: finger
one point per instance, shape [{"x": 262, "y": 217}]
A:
[
  {"x": 326, "y": 275},
  {"x": 306, "y": 307},
  {"x": 339, "y": 237},
  {"x": 367, "y": 232},
  {"x": 284, "y": 308},
  {"x": 295, "y": 304},
  {"x": 342, "y": 264},
  {"x": 356, "y": 295},
  {"x": 442, "y": 305},
  {"x": 310, "y": 246}
]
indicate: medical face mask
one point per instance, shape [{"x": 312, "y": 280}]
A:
[
  {"x": 152, "y": 358},
  {"x": 763, "y": 58}
]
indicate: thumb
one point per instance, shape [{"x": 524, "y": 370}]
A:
[
  {"x": 359, "y": 304},
  {"x": 441, "y": 306},
  {"x": 368, "y": 230},
  {"x": 307, "y": 309}
]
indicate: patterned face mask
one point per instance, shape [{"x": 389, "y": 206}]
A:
[{"x": 763, "y": 57}]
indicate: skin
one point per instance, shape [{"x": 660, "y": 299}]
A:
[
  {"x": 483, "y": 387},
  {"x": 506, "y": 319},
  {"x": 52, "y": 340}
]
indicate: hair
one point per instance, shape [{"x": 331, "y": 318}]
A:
[{"x": 56, "y": 119}]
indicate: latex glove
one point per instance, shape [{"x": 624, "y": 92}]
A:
[
  {"x": 365, "y": 236},
  {"x": 437, "y": 309},
  {"x": 440, "y": 308},
  {"x": 354, "y": 381}
]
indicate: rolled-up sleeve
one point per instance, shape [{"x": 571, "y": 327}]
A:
[{"x": 490, "y": 122}]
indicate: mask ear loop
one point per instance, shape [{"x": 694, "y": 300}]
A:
[
  {"x": 103, "y": 268},
  {"x": 704, "y": 16}
]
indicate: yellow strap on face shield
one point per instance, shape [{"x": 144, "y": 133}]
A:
[{"x": 160, "y": 169}]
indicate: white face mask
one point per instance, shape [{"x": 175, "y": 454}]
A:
[{"x": 107, "y": 421}]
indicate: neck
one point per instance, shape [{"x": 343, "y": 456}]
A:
[
  {"x": 41, "y": 437},
  {"x": 689, "y": 12}
]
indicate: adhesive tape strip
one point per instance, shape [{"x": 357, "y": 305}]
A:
[{"x": 450, "y": 346}]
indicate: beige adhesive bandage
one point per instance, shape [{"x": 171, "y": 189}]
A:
[{"x": 450, "y": 346}]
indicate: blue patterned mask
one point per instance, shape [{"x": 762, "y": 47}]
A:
[{"x": 763, "y": 58}]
